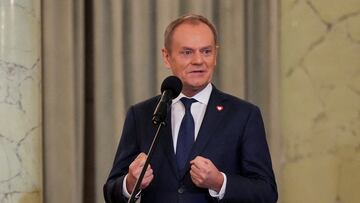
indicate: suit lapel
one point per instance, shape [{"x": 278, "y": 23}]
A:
[
  {"x": 167, "y": 143},
  {"x": 214, "y": 113}
]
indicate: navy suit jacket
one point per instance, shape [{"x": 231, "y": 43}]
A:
[{"x": 232, "y": 138}]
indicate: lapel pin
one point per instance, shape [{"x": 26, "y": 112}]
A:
[{"x": 219, "y": 108}]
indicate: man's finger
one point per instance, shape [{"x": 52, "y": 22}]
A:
[
  {"x": 193, "y": 174},
  {"x": 146, "y": 181},
  {"x": 200, "y": 158},
  {"x": 140, "y": 159},
  {"x": 148, "y": 172},
  {"x": 195, "y": 169},
  {"x": 200, "y": 162}
]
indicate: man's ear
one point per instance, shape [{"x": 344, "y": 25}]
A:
[
  {"x": 166, "y": 57},
  {"x": 216, "y": 53}
]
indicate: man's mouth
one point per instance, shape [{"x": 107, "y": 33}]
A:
[{"x": 197, "y": 71}]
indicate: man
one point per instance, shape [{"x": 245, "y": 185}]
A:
[{"x": 227, "y": 158}]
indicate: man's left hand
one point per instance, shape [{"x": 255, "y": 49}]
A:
[{"x": 204, "y": 174}]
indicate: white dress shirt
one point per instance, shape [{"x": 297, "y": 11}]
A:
[{"x": 198, "y": 111}]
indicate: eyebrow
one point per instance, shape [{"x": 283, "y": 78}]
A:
[{"x": 205, "y": 47}]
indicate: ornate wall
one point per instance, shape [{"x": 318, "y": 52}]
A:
[
  {"x": 20, "y": 102},
  {"x": 320, "y": 102}
]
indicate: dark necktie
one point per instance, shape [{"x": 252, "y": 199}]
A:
[{"x": 186, "y": 134}]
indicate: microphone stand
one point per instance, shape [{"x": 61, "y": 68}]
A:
[{"x": 136, "y": 188}]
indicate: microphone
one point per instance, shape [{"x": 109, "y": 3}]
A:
[{"x": 170, "y": 89}]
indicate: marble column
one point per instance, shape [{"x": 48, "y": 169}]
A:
[
  {"x": 320, "y": 66},
  {"x": 20, "y": 102}
]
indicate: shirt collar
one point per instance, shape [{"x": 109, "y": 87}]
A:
[{"x": 203, "y": 96}]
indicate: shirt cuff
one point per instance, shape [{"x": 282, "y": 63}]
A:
[
  {"x": 126, "y": 193},
  {"x": 221, "y": 194},
  {"x": 124, "y": 190}
]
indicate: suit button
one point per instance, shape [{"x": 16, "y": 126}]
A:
[{"x": 181, "y": 190}]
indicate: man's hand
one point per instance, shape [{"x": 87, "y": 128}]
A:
[
  {"x": 134, "y": 173},
  {"x": 204, "y": 174}
]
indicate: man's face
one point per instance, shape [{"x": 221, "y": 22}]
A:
[{"x": 192, "y": 57}]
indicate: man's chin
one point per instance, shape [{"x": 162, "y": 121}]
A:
[{"x": 198, "y": 86}]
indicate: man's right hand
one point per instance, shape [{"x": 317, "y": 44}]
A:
[{"x": 134, "y": 173}]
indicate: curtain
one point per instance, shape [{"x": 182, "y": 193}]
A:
[{"x": 100, "y": 57}]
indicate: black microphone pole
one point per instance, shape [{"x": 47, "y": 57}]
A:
[
  {"x": 136, "y": 188},
  {"x": 170, "y": 88}
]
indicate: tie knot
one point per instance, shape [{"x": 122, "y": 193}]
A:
[{"x": 187, "y": 102}]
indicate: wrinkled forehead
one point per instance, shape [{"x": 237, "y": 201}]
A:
[
  {"x": 193, "y": 32},
  {"x": 192, "y": 35}
]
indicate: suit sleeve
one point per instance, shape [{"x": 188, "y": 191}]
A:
[
  {"x": 126, "y": 153},
  {"x": 255, "y": 182}
]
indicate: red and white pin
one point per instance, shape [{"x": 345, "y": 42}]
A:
[{"x": 219, "y": 108}]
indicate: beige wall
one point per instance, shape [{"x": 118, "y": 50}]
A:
[{"x": 320, "y": 101}]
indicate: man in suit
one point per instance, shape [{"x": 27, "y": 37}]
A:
[{"x": 214, "y": 147}]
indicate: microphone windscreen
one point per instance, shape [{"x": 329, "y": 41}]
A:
[{"x": 173, "y": 84}]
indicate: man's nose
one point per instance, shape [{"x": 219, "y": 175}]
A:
[{"x": 197, "y": 58}]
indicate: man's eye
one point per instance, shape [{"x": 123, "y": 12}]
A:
[
  {"x": 186, "y": 52},
  {"x": 207, "y": 51}
]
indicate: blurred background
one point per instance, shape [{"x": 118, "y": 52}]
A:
[{"x": 70, "y": 69}]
